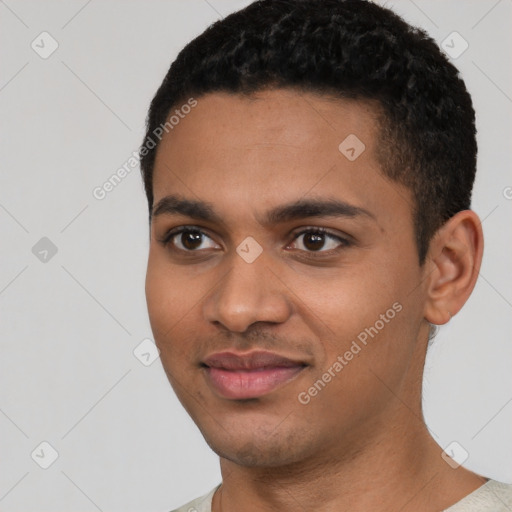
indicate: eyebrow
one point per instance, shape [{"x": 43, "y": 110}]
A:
[{"x": 300, "y": 209}]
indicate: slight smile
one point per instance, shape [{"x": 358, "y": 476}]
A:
[{"x": 239, "y": 376}]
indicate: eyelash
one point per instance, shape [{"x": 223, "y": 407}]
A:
[{"x": 344, "y": 242}]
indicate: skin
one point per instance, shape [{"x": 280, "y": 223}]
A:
[{"x": 361, "y": 443}]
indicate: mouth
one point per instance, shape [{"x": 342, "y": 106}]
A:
[{"x": 240, "y": 376}]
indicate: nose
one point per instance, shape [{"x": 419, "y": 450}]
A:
[{"x": 247, "y": 293}]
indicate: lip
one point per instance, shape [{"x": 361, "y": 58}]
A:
[{"x": 240, "y": 376}]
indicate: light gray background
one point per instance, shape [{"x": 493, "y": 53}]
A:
[{"x": 69, "y": 326}]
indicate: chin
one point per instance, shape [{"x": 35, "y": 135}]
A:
[{"x": 260, "y": 447}]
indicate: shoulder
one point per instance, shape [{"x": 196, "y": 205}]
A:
[
  {"x": 201, "y": 504},
  {"x": 493, "y": 496}
]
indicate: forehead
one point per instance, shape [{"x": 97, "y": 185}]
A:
[
  {"x": 298, "y": 122},
  {"x": 272, "y": 147}
]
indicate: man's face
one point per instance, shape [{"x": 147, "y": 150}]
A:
[{"x": 310, "y": 298}]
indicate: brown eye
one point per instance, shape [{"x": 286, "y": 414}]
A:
[
  {"x": 319, "y": 240},
  {"x": 314, "y": 241},
  {"x": 188, "y": 240}
]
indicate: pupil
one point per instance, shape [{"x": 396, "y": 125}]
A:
[
  {"x": 190, "y": 238},
  {"x": 316, "y": 240}
]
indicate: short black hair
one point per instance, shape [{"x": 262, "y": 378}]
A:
[{"x": 352, "y": 49}]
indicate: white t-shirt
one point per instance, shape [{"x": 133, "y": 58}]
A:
[{"x": 492, "y": 496}]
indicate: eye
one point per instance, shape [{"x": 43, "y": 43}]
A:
[
  {"x": 319, "y": 240},
  {"x": 188, "y": 239},
  {"x": 312, "y": 240}
]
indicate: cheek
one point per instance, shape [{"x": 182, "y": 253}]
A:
[
  {"x": 364, "y": 313},
  {"x": 166, "y": 301},
  {"x": 349, "y": 298},
  {"x": 168, "y": 305}
]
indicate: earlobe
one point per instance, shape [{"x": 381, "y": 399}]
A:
[{"x": 455, "y": 257}]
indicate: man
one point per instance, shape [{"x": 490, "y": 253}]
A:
[{"x": 309, "y": 166}]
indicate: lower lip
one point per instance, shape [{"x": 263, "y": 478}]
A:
[{"x": 238, "y": 384}]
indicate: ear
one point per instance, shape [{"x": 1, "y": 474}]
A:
[{"x": 454, "y": 257}]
